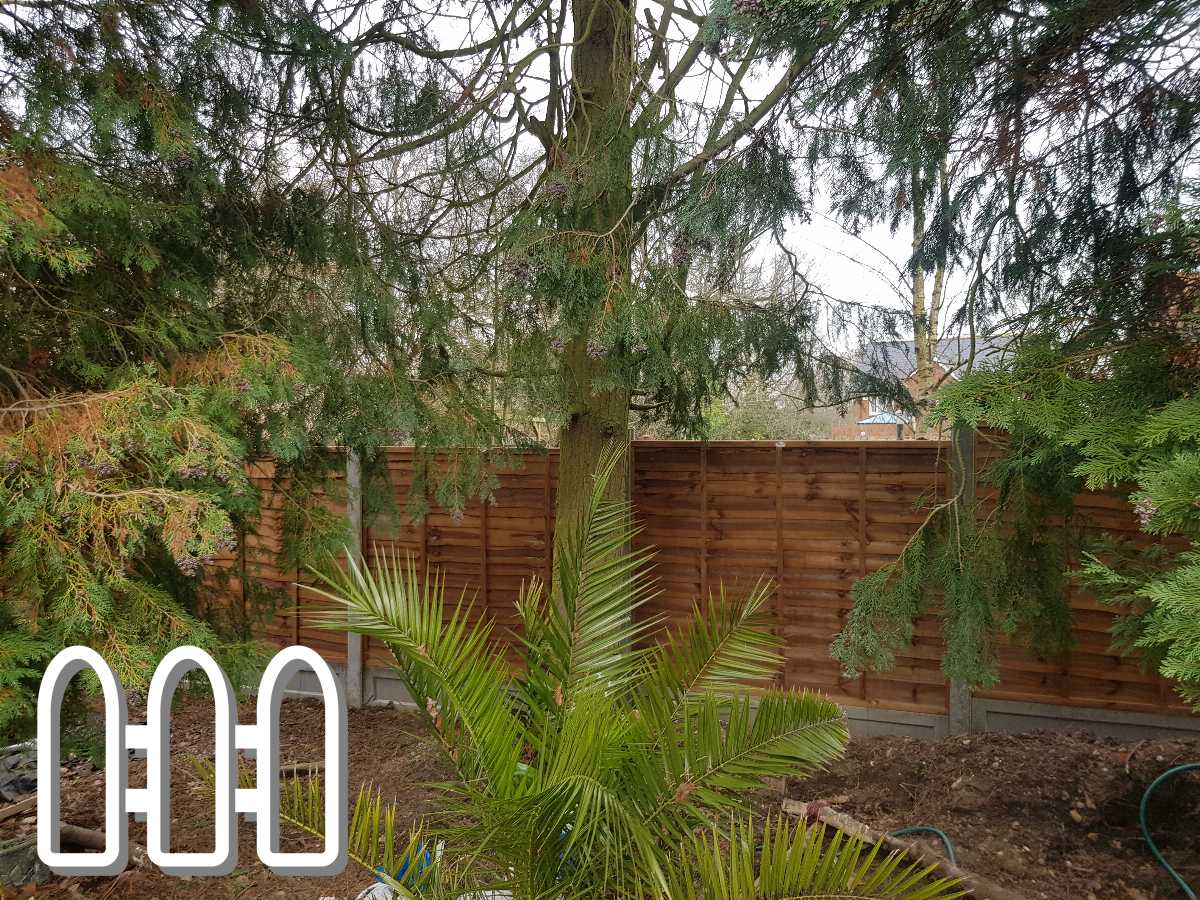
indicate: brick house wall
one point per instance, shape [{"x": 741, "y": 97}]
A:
[{"x": 852, "y": 431}]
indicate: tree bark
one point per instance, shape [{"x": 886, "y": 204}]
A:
[
  {"x": 922, "y": 336},
  {"x": 599, "y": 423},
  {"x": 597, "y": 159},
  {"x": 939, "y": 274}
]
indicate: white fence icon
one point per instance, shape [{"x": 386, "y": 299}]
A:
[{"x": 260, "y": 803}]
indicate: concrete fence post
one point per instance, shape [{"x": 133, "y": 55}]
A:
[
  {"x": 960, "y": 719},
  {"x": 354, "y": 520}
]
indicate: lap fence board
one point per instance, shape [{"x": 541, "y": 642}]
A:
[{"x": 811, "y": 516}]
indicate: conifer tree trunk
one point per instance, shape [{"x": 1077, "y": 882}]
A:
[
  {"x": 599, "y": 420},
  {"x": 598, "y": 155}
]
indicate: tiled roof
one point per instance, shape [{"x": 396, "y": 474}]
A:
[{"x": 899, "y": 358}]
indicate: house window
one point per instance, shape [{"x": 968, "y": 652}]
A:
[{"x": 878, "y": 406}]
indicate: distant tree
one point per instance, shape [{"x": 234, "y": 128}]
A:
[
  {"x": 893, "y": 164},
  {"x": 757, "y": 412},
  {"x": 1014, "y": 143}
]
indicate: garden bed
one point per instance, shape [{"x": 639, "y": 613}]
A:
[
  {"x": 1053, "y": 816},
  {"x": 387, "y": 747},
  {"x": 1050, "y": 815}
]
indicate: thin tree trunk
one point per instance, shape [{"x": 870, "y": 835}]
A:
[
  {"x": 920, "y": 314},
  {"x": 935, "y": 300},
  {"x": 597, "y": 157},
  {"x": 939, "y": 274},
  {"x": 938, "y": 291}
]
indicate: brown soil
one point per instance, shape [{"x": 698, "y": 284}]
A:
[
  {"x": 388, "y": 748},
  {"x": 1052, "y": 816},
  {"x": 1049, "y": 815}
]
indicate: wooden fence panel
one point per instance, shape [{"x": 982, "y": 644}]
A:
[
  {"x": 262, "y": 548},
  {"x": 813, "y": 517},
  {"x": 897, "y": 484},
  {"x": 668, "y": 510},
  {"x": 1092, "y": 674},
  {"x": 823, "y": 529},
  {"x": 330, "y": 644},
  {"x": 483, "y": 555}
]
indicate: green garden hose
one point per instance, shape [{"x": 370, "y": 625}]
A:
[
  {"x": 917, "y": 829},
  {"x": 1170, "y": 773}
]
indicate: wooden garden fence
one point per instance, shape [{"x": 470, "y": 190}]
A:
[{"x": 811, "y": 516}]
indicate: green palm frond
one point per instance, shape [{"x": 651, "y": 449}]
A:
[
  {"x": 607, "y": 825},
  {"x": 729, "y": 747},
  {"x": 589, "y": 630},
  {"x": 799, "y": 862},
  {"x": 583, "y": 775},
  {"x": 725, "y": 647},
  {"x": 787, "y": 732},
  {"x": 571, "y": 825},
  {"x": 446, "y": 661},
  {"x": 406, "y": 863},
  {"x": 372, "y": 836}
]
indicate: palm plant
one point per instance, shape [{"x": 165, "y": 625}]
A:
[
  {"x": 796, "y": 861},
  {"x": 587, "y": 770}
]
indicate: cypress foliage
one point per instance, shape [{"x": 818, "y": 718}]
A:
[
  {"x": 166, "y": 309},
  {"x": 1050, "y": 146},
  {"x": 1110, "y": 406}
]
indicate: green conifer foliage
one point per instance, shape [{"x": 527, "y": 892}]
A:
[
  {"x": 1047, "y": 147},
  {"x": 1108, "y": 405},
  {"x": 165, "y": 320}
]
